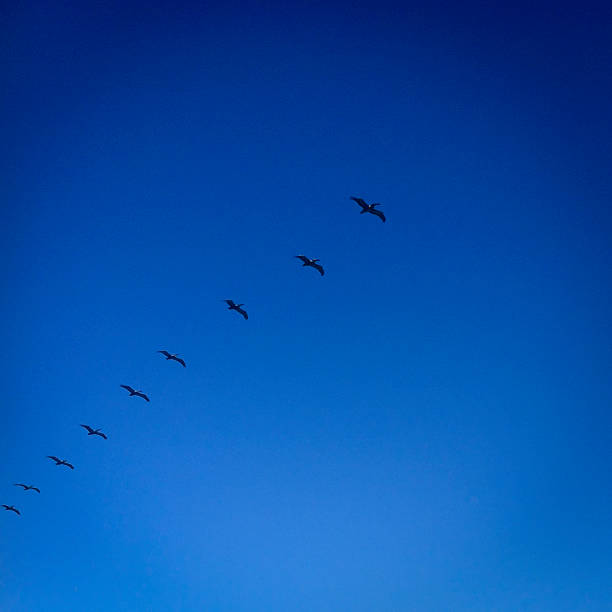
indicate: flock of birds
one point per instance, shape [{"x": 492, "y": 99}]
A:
[{"x": 306, "y": 262}]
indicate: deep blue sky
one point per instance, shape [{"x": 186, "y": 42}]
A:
[{"x": 427, "y": 427}]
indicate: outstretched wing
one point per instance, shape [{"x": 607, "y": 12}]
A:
[
  {"x": 303, "y": 258},
  {"x": 319, "y": 267},
  {"x": 180, "y": 361},
  {"x": 166, "y": 353},
  {"x": 103, "y": 435},
  {"x": 128, "y": 388},
  {"x": 378, "y": 213},
  {"x": 25, "y": 487},
  {"x": 359, "y": 201},
  {"x": 35, "y": 489},
  {"x": 243, "y": 313},
  {"x": 230, "y": 303},
  {"x": 88, "y": 428},
  {"x": 139, "y": 394},
  {"x": 69, "y": 465},
  {"x": 54, "y": 458}
]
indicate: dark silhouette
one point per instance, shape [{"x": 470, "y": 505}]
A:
[
  {"x": 237, "y": 308},
  {"x": 61, "y": 462},
  {"x": 312, "y": 263},
  {"x": 134, "y": 392},
  {"x": 12, "y": 509},
  {"x": 26, "y": 487},
  {"x": 369, "y": 208},
  {"x": 94, "y": 432},
  {"x": 175, "y": 357}
]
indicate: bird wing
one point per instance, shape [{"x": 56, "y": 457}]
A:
[
  {"x": 17, "y": 511},
  {"x": 303, "y": 258},
  {"x": 140, "y": 394},
  {"x": 54, "y": 458},
  {"x": 378, "y": 213},
  {"x": 35, "y": 489},
  {"x": 88, "y": 428},
  {"x": 69, "y": 465},
  {"x": 166, "y": 353},
  {"x": 103, "y": 435},
  {"x": 128, "y": 388},
  {"x": 243, "y": 313},
  {"x": 359, "y": 201},
  {"x": 319, "y": 267},
  {"x": 5, "y": 507},
  {"x": 180, "y": 361},
  {"x": 18, "y": 484},
  {"x": 230, "y": 302}
]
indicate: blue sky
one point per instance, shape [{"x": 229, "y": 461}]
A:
[{"x": 425, "y": 428}]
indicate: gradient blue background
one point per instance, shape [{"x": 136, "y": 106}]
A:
[{"x": 427, "y": 427}]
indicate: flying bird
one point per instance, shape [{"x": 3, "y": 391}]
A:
[
  {"x": 237, "y": 307},
  {"x": 369, "y": 208},
  {"x": 27, "y": 487},
  {"x": 175, "y": 357},
  {"x": 94, "y": 432},
  {"x": 312, "y": 263},
  {"x": 134, "y": 392},
  {"x": 61, "y": 462},
  {"x": 12, "y": 509}
]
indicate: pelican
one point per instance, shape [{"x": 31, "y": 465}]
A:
[
  {"x": 134, "y": 392},
  {"x": 61, "y": 462},
  {"x": 369, "y": 208},
  {"x": 312, "y": 263},
  {"x": 237, "y": 307},
  {"x": 94, "y": 432},
  {"x": 27, "y": 487},
  {"x": 175, "y": 357},
  {"x": 12, "y": 509}
]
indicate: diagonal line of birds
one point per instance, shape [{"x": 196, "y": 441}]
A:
[{"x": 231, "y": 305}]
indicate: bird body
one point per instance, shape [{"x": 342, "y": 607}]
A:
[
  {"x": 237, "y": 307},
  {"x": 12, "y": 509},
  {"x": 311, "y": 263},
  {"x": 61, "y": 462},
  {"x": 174, "y": 357},
  {"x": 27, "y": 487},
  {"x": 134, "y": 392},
  {"x": 94, "y": 432},
  {"x": 369, "y": 208}
]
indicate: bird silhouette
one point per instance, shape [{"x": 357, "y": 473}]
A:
[
  {"x": 61, "y": 462},
  {"x": 134, "y": 392},
  {"x": 237, "y": 308},
  {"x": 312, "y": 263},
  {"x": 369, "y": 208},
  {"x": 175, "y": 357},
  {"x": 12, "y": 509},
  {"x": 27, "y": 487},
  {"x": 94, "y": 432}
]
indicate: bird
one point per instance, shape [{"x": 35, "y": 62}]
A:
[
  {"x": 237, "y": 307},
  {"x": 175, "y": 357},
  {"x": 369, "y": 208},
  {"x": 27, "y": 487},
  {"x": 312, "y": 263},
  {"x": 61, "y": 462},
  {"x": 12, "y": 509},
  {"x": 94, "y": 432},
  {"x": 134, "y": 392}
]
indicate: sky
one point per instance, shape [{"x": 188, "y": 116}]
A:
[{"x": 425, "y": 428}]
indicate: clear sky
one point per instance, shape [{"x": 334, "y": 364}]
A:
[{"x": 425, "y": 428}]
